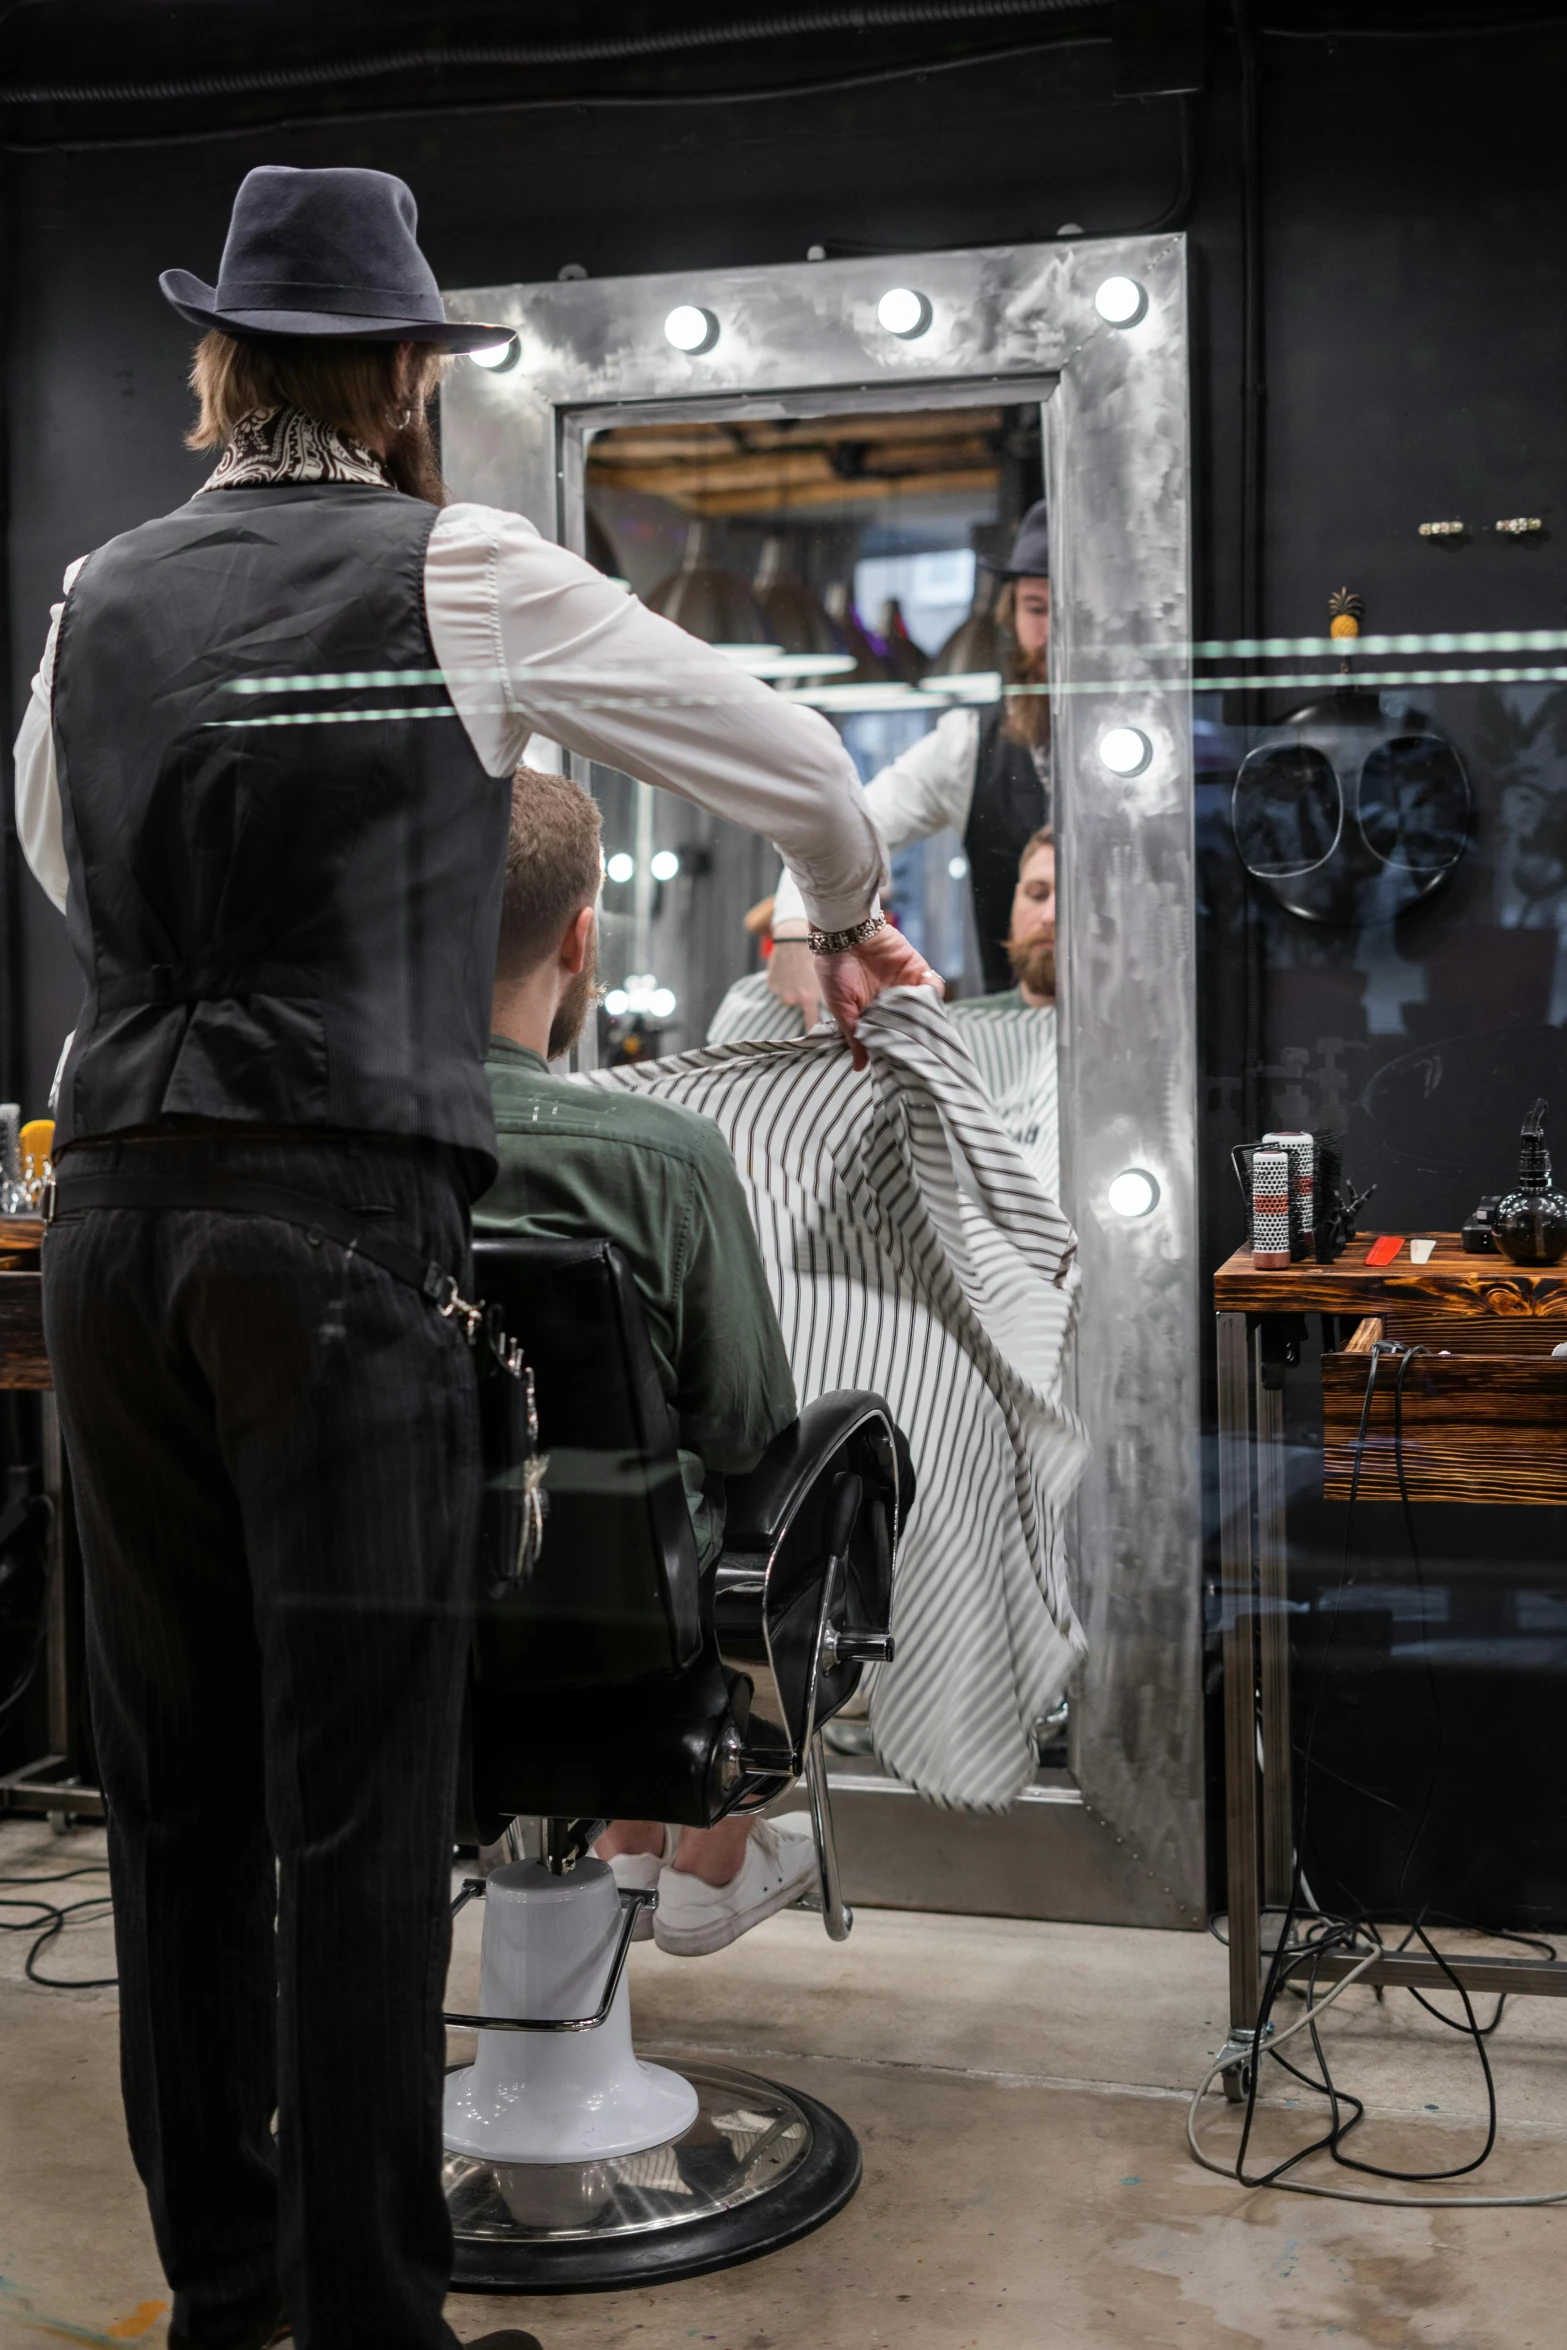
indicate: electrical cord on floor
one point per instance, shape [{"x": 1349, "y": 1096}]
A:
[
  {"x": 1345, "y": 1934},
  {"x": 50, "y": 1920}
]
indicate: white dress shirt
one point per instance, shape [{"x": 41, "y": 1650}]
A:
[
  {"x": 534, "y": 641},
  {"x": 929, "y": 786}
]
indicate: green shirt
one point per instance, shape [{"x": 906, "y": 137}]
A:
[
  {"x": 1010, "y": 1000},
  {"x": 659, "y": 1182}
]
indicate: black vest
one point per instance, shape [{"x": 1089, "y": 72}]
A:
[
  {"x": 285, "y": 857},
  {"x": 1008, "y": 808}
]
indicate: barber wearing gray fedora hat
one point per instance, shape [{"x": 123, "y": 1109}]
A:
[
  {"x": 984, "y": 773},
  {"x": 266, "y": 773}
]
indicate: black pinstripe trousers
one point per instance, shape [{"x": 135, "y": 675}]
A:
[{"x": 274, "y": 1453}]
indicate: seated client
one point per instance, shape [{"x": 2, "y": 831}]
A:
[
  {"x": 1031, "y": 937},
  {"x": 658, "y": 1181}
]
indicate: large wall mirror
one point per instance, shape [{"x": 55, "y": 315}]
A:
[{"x": 814, "y": 465}]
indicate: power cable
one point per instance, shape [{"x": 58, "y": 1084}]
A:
[
  {"x": 242, "y": 83},
  {"x": 444, "y": 56},
  {"x": 50, "y": 1920},
  {"x": 570, "y": 102},
  {"x": 1345, "y": 1934}
]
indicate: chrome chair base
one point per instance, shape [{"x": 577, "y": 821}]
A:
[{"x": 759, "y": 2167}]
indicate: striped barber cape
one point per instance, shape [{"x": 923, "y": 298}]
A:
[
  {"x": 910, "y": 1250},
  {"x": 1014, "y": 1052}
]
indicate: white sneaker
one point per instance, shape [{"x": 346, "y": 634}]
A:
[
  {"x": 639, "y": 1872},
  {"x": 779, "y": 1865}
]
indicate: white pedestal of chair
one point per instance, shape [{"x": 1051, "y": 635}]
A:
[{"x": 571, "y": 2164}]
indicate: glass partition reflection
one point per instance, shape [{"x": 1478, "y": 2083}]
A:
[
  {"x": 849, "y": 561},
  {"x": 854, "y": 562}
]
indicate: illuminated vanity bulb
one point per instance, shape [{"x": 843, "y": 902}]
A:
[
  {"x": 1134, "y": 1192},
  {"x": 666, "y": 864},
  {"x": 691, "y": 329},
  {"x": 1125, "y": 750},
  {"x": 496, "y": 355},
  {"x": 620, "y": 867},
  {"x": 615, "y": 1002},
  {"x": 903, "y": 312},
  {"x": 1120, "y": 301},
  {"x": 661, "y": 1002},
  {"x": 958, "y": 868}
]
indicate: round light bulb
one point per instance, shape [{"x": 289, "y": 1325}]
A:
[
  {"x": 621, "y": 867},
  {"x": 1134, "y": 1192},
  {"x": 615, "y": 1002},
  {"x": 496, "y": 355},
  {"x": 903, "y": 312},
  {"x": 1125, "y": 750},
  {"x": 691, "y": 329},
  {"x": 666, "y": 864},
  {"x": 1120, "y": 301},
  {"x": 958, "y": 868},
  {"x": 662, "y": 1003}
]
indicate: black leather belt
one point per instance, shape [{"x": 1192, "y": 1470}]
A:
[{"x": 68, "y": 1194}]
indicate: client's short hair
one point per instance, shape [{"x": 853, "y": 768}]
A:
[
  {"x": 1044, "y": 838},
  {"x": 552, "y": 868}
]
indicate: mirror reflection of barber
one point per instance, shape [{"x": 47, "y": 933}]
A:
[{"x": 984, "y": 772}]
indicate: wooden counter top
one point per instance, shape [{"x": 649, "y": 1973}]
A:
[
  {"x": 1452, "y": 1283},
  {"x": 23, "y": 1362},
  {"x": 21, "y": 1237}
]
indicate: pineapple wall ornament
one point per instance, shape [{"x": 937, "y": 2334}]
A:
[{"x": 1345, "y": 613}]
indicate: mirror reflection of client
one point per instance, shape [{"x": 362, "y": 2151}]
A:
[
  {"x": 657, "y": 1180},
  {"x": 1015, "y": 1057},
  {"x": 1031, "y": 934},
  {"x": 984, "y": 773}
]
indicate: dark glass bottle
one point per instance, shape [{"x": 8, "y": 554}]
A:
[{"x": 1531, "y": 1222}]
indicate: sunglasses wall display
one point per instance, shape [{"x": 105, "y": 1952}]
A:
[{"x": 1349, "y": 816}]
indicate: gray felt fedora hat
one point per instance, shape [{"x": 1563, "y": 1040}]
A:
[
  {"x": 1030, "y": 556},
  {"x": 325, "y": 253}
]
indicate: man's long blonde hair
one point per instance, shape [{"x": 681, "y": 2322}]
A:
[
  {"x": 1027, "y": 719},
  {"x": 356, "y": 387}
]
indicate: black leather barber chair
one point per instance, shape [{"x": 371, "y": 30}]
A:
[{"x": 618, "y": 1682}]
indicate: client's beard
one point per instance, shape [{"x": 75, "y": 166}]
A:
[
  {"x": 411, "y": 461},
  {"x": 1028, "y": 715},
  {"x": 1033, "y": 962},
  {"x": 572, "y": 1011}
]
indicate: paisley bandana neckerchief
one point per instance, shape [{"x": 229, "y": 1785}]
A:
[{"x": 284, "y": 444}]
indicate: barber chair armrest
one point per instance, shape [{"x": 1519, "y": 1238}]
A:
[{"x": 758, "y": 1506}]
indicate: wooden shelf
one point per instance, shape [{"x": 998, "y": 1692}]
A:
[
  {"x": 1477, "y": 1428},
  {"x": 23, "y": 1362},
  {"x": 21, "y": 1238},
  {"x": 1452, "y": 1284}
]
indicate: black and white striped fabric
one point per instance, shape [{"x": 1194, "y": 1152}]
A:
[
  {"x": 1014, "y": 1052},
  {"x": 910, "y": 1249}
]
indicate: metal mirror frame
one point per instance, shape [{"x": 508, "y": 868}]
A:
[{"x": 1007, "y": 322}]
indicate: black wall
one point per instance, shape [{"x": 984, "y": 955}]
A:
[{"x": 1414, "y": 243}]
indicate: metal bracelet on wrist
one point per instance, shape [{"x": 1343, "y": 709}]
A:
[{"x": 843, "y": 942}]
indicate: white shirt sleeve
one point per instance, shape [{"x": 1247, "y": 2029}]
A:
[
  {"x": 38, "y": 821},
  {"x": 930, "y": 785},
  {"x": 533, "y": 640}
]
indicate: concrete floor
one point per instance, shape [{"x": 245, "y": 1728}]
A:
[{"x": 1019, "y": 2093}]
